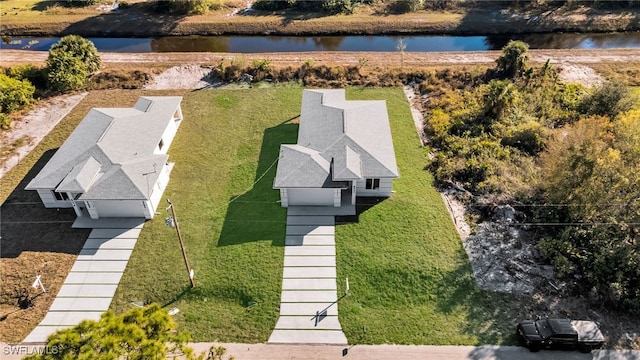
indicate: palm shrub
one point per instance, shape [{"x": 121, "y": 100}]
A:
[{"x": 514, "y": 58}]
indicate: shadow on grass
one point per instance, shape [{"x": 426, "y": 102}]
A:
[
  {"x": 489, "y": 314},
  {"x": 256, "y": 214},
  {"x": 362, "y": 204},
  {"x": 28, "y": 226},
  {"x": 135, "y": 20}
]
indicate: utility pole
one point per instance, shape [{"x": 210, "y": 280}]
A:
[{"x": 184, "y": 253}]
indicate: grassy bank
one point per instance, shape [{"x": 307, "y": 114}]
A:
[{"x": 44, "y": 18}]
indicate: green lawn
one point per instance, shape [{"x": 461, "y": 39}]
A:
[
  {"x": 233, "y": 231},
  {"x": 410, "y": 279}
]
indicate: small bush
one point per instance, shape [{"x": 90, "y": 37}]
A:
[
  {"x": 35, "y": 75},
  {"x": 5, "y": 122},
  {"x": 65, "y": 72},
  {"x": 608, "y": 100},
  {"x": 81, "y": 3},
  {"x": 183, "y": 7},
  {"x": 530, "y": 138},
  {"x": 405, "y": 6},
  {"x": 14, "y": 94},
  {"x": 514, "y": 58},
  {"x": 262, "y": 65}
]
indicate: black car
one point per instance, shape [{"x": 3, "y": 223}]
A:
[{"x": 560, "y": 333}]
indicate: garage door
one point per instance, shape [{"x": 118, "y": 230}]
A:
[
  {"x": 310, "y": 196},
  {"x": 123, "y": 208}
]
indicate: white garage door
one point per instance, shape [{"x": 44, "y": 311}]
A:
[
  {"x": 310, "y": 196},
  {"x": 123, "y": 208}
]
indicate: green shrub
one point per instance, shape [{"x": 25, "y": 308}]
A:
[
  {"x": 261, "y": 65},
  {"x": 5, "y": 122},
  {"x": 184, "y": 7},
  {"x": 81, "y": 3},
  {"x": 405, "y": 6},
  {"x": 14, "y": 94},
  {"x": 529, "y": 138},
  {"x": 609, "y": 100},
  {"x": 35, "y": 75},
  {"x": 71, "y": 60},
  {"x": 338, "y": 6},
  {"x": 80, "y": 48},
  {"x": 65, "y": 72}
]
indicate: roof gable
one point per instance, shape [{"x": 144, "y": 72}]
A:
[
  {"x": 299, "y": 166},
  {"x": 347, "y": 165},
  {"x": 80, "y": 177}
]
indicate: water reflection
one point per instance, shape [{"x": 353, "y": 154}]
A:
[
  {"x": 423, "y": 43},
  {"x": 570, "y": 41}
]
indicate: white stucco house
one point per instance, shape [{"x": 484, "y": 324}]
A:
[
  {"x": 344, "y": 150},
  {"x": 114, "y": 164}
]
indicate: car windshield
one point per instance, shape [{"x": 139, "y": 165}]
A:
[{"x": 544, "y": 329}]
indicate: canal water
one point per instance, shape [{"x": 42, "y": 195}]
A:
[{"x": 422, "y": 43}]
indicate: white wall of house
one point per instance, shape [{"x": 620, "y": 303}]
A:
[
  {"x": 384, "y": 188},
  {"x": 314, "y": 197},
  {"x": 160, "y": 186},
  {"x": 169, "y": 133},
  {"x": 119, "y": 208},
  {"x": 50, "y": 201}
]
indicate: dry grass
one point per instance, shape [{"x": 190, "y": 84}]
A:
[{"x": 626, "y": 73}]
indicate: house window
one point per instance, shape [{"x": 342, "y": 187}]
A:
[
  {"x": 372, "y": 184},
  {"x": 161, "y": 144},
  {"x": 60, "y": 196}
]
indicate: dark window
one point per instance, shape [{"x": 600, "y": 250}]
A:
[
  {"x": 161, "y": 144},
  {"x": 372, "y": 184},
  {"x": 60, "y": 196}
]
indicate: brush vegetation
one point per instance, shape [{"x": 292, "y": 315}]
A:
[{"x": 567, "y": 157}]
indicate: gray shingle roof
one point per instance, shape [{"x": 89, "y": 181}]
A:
[
  {"x": 121, "y": 142},
  {"x": 347, "y": 165},
  {"x": 81, "y": 176},
  {"x": 354, "y": 135},
  {"x": 306, "y": 168}
]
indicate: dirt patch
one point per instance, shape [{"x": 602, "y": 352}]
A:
[
  {"x": 190, "y": 76},
  {"x": 416, "y": 112},
  {"x": 35, "y": 241},
  {"x": 581, "y": 74},
  {"x": 33, "y": 127}
]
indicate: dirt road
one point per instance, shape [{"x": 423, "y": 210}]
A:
[{"x": 12, "y": 57}]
